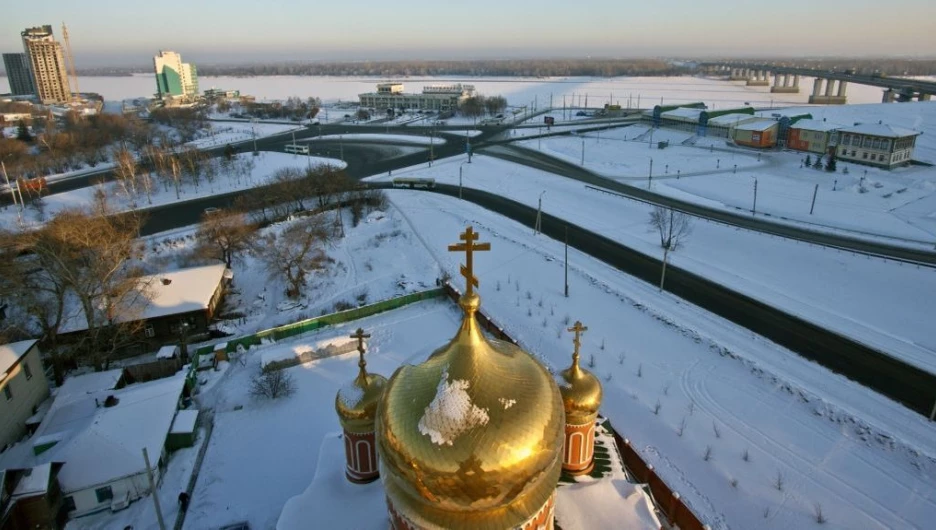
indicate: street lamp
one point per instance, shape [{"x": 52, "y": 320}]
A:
[
  {"x": 460, "y": 179},
  {"x": 537, "y": 228},
  {"x": 754, "y": 206},
  {"x": 650, "y": 174},
  {"x": 253, "y": 128}
]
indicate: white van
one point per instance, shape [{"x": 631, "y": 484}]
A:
[{"x": 297, "y": 149}]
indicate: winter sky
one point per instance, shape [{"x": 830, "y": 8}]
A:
[{"x": 129, "y": 32}]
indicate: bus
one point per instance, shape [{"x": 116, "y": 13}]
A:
[
  {"x": 413, "y": 183},
  {"x": 297, "y": 149}
]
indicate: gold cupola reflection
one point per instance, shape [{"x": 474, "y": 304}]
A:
[
  {"x": 473, "y": 436},
  {"x": 356, "y": 405},
  {"x": 581, "y": 398}
]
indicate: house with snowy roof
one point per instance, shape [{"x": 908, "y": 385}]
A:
[
  {"x": 31, "y": 498},
  {"x": 23, "y": 387},
  {"x": 877, "y": 144},
  {"x": 100, "y": 436},
  {"x": 177, "y": 302}
]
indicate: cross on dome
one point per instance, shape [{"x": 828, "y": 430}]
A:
[
  {"x": 469, "y": 247},
  {"x": 578, "y": 328},
  {"x": 360, "y": 336}
]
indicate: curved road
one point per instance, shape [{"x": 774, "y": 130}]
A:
[{"x": 892, "y": 377}]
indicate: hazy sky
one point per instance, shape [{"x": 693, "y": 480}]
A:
[{"x": 129, "y": 32}]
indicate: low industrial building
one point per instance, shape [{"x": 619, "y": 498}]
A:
[
  {"x": 23, "y": 386},
  {"x": 441, "y": 98},
  {"x": 761, "y": 134},
  {"x": 813, "y": 136},
  {"x": 877, "y": 144},
  {"x": 722, "y": 126}
]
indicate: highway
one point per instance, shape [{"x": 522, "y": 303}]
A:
[{"x": 904, "y": 383}]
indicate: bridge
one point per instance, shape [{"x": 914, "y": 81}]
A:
[{"x": 829, "y": 86}]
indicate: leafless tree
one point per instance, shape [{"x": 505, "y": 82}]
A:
[
  {"x": 273, "y": 385},
  {"x": 224, "y": 235},
  {"x": 674, "y": 227},
  {"x": 296, "y": 251},
  {"x": 126, "y": 170}
]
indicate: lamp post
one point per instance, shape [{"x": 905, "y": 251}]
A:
[
  {"x": 253, "y": 129},
  {"x": 650, "y": 174},
  {"x": 754, "y": 206},
  {"x": 183, "y": 341},
  {"x": 583, "y": 150},
  {"x": 539, "y": 214},
  {"x": 460, "y": 179}
]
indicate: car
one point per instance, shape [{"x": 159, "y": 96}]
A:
[{"x": 581, "y": 113}]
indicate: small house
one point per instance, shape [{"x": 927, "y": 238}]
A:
[
  {"x": 31, "y": 498},
  {"x": 761, "y": 134},
  {"x": 813, "y": 136}
]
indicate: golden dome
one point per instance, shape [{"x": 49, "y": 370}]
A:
[
  {"x": 472, "y": 437},
  {"x": 581, "y": 390},
  {"x": 356, "y": 402}
]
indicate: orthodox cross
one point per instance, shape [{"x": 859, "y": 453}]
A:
[
  {"x": 360, "y": 336},
  {"x": 468, "y": 247},
  {"x": 578, "y": 328}
]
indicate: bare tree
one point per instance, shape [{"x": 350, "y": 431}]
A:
[
  {"x": 93, "y": 257},
  {"x": 674, "y": 227},
  {"x": 224, "y": 235},
  {"x": 273, "y": 385},
  {"x": 297, "y": 250},
  {"x": 126, "y": 170}
]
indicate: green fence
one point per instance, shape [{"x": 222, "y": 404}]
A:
[{"x": 312, "y": 324}]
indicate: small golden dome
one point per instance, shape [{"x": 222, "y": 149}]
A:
[
  {"x": 581, "y": 390},
  {"x": 356, "y": 402},
  {"x": 472, "y": 437}
]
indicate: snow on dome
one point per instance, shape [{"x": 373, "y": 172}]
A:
[
  {"x": 507, "y": 403},
  {"x": 451, "y": 412},
  {"x": 350, "y": 394}
]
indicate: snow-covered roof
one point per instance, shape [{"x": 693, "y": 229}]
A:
[
  {"x": 759, "y": 125},
  {"x": 816, "y": 125},
  {"x": 880, "y": 129},
  {"x": 10, "y": 354},
  {"x": 100, "y": 444},
  {"x": 83, "y": 385},
  {"x": 34, "y": 481},
  {"x": 184, "y": 421},
  {"x": 169, "y": 293},
  {"x": 731, "y": 119},
  {"x": 683, "y": 113},
  {"x": 167, "y": 352}
]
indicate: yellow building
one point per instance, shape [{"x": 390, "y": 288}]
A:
[
  {"x": 23, "y": 387},
  {"x": 47, "y": 63}
]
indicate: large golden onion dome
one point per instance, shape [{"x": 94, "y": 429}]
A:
[
  {"x": 356, "y": 402},
  {"x": 472, "y": 437},
  {"x": 581, "y": 390}
]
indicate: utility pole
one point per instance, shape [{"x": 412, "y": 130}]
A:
[
  {"x": 253, "y": 128},
  {"x": 341, "y": 146},
  {"x": 539, "y": 215},
  {"x": 583, "y": 150},
  {"x": 754, "y": 208},
  {"x": 459, "y": 182},
  {"x": 815, "y": 191},
  {"x": 650, "y": 175},
  {"x": 567, "y": 269},
  {"x": 153, "y": 492}
]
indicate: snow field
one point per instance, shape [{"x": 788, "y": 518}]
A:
[
  {"x": 790, "y": 414},
  {"x": 889, "y": 311}
]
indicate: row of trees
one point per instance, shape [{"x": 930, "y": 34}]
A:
[
  {"x": 479, "y": 105},
  {"x": 79, "y": 270}
]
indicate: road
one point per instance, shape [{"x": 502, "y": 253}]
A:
[
  {"x": 904, "y": 383},
  {"x": 538, "y": 160},
  {"x": 914, "y": 388}
]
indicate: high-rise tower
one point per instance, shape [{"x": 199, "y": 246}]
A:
[
  {"x": 47, "y": 63},
  {"x": 19, "y": 74},
  {"x": 173, "y": 77}
]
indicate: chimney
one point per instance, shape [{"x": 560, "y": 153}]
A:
[
  {"x": 166, "y": 281},
  {"x": 110, "y": 401}
]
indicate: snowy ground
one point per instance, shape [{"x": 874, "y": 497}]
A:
[
  {"x": 880, "y": 303},
  {"x": 222, "y": 133},
  {"x": 867, "y": 202},
  {"x": 256, "y": 172},
  {"x": 867, "y": 461}
]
